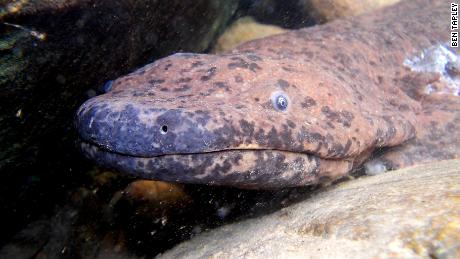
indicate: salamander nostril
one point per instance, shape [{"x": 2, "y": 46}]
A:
[{"x": 164, "y": 129}]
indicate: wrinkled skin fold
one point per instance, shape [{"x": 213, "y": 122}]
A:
[{"x": 288, "y": 110}]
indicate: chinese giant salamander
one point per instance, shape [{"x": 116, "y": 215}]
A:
[{"x": 288, "y": 110}]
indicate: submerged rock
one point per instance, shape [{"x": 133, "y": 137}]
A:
[
  {"x": 301, "y": 13},
  {"x": 243, "y": 30},
  {"x": 54, "y": 51},
  {"x": 154, "y": 198},
  {"x": 405, "y": 213},
  {"x": 324, "y": 11}
]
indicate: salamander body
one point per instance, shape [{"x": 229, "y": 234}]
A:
[{"x": 287, "y": 110}]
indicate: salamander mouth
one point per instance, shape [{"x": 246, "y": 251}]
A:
[
  {"x": 86, "y": 145},
  {"x": 243, "y": 168}
]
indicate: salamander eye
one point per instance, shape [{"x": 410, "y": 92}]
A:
[{"x": 280, "y": 101}]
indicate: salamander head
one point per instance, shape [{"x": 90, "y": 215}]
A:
[
  {"x": 233, "y": 119},
  {"x": 152, "y": 112}
]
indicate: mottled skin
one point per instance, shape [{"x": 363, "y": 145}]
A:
[
  {"x": 438, "y": 127},
  {"x": 210, "y": 119}
]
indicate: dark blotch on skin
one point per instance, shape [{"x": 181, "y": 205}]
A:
[
  {"x": 308, "y": 102},
  {"x": 254, "y": 67},
  {"x": 391, "y": 129},
  {"x": 450, "y": 127},
  {"x": 254, "y": 57},
  {"x": 197, "y": 64},
  {"x": 283, "y": 84},
  {"x": 209, "y": 74},
  {"x": 247, "y": 128},
  {"x": 343, "y": 59},
  {"x": 330, "y": 124},
  {"x": 137, "y": 94},
  {"x": 239, "y": 79},
  {"x": 267, "y": 105},
  {"x": 140, "y": 164},
  {"x": 241, "y": 63},
  {"x": 168, "y": 66},
  {"x": 235, "y": 65},
  {"x": 347, "y": 147},
  {"x": 222, "y": 169},
  {"x": 184, "y": 80},
  {"x": 340, "y": 78},
  {"x": 184, "y": 96},
  {"x": 273, "y": 138},
  {"x": 238, "y": 63},
  {"x": 404, "y": 107},
  {"x": 236, "y": 159},
  {"x": 182, "y": 88},
  {"x": 291, "y": 124},
  {"x": 222, "y": 85},
  {"x": 202, "y": 117},
  {"x": 155, "y": 82},
  {"x": 308, "y": 54},
  {"x": 344, "y": 117},
  {"x": 272, "y": 162}
]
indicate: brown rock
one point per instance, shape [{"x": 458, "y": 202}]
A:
[
  {"x": 324, "y": 11},
  {"x": 413, "y": 212},
  {"x": 243, "y": 30},
  {"x": 155, "y": 198}
]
